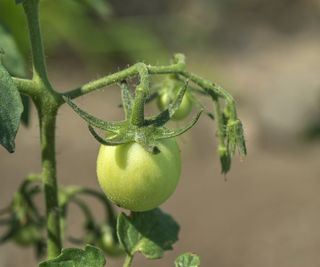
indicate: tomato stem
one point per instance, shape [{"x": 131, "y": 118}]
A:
[
  {"x": 47, "y": 137},
  {"x": 47, "y": 102},
  {"x": 128, "y": 261},
  {"x": 31, "y": 8}
]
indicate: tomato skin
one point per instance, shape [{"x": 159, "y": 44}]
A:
[
  {"x": 184, "y": 109},
  {"x": 135, "y": 179}
]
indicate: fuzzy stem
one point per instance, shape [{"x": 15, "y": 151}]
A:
[
  {"x": 128, "y": 261},
  {"x": 47, "y": 102},
  {"x": 31, "y": 8},
  {"x": 47, "y": 136},
  {"x": 142, "y": 92},
  {"x": 177, "y": 67}
]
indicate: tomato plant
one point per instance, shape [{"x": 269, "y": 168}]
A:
[{"x": 138, "y": 165}]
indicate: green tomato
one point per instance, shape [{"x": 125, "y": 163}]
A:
[
  {"x": 135, "y": 179},
  {"x": 184, "y": 109},
  {"x": 26, "y": 235},
  {"x": 108, "y": 243}
]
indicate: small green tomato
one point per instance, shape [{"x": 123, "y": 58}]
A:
[
  {"x": 185, "y": 107},
  {"x": 26, "y": 235},
  {"x": 108, "y": 243},
  {"x": 135, "y": 179}
]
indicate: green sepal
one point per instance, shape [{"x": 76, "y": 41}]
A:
[
  {"x": 93, "y": 121},
  {"x": 151, "y": 233},
  {"x": 225, "y": 158},
  {"x": 164, "y": 133},
  {"x": 235, "y": 137},
  {"x": 75, "y": 257},
  {"x": 187, "y": 260},
  {"x": 116, "y": 140},
  {"x": 198, "y": 104}
]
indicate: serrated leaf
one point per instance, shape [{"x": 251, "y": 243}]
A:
[
  {"x": 151, "y": 233},
  {"x": 187, "y": 260},
  {"x": 10, "y": 110},
  {"x": 75, "y": 257}
]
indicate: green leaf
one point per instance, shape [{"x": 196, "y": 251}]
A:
[
  {"x": 187, "y": 260},
  {"x": 75, "y": 257},
  {"x": 151, "y": 233},
  {"x": 12, "y": 59},
  {"x": 10, "y": 110},
  {"x": 14, "y": 62}
]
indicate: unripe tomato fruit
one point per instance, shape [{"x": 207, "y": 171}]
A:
[
  {"x": 26, "y": 235},
  {"x": 184, "y": 109},
  {"x": 135, "y": 179},
  {"x": 108, "y": 243}
]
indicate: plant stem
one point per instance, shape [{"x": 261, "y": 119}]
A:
[
  {"x": 128, "y": 261},
  {"x": 47, "y": 102},
  {"x": 176, "y": 68},
  {"x": 47, "y": 132},
  {"x": 31, "y": 8}
]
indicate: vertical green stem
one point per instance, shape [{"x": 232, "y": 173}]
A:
[
  {"x": 47, "y": 132},
  {"x": 47, "y": 103},
  {"x": 31, "y": 8},
  {"x": 127, "y": 261},
  {"x": 142, "y": 91}
]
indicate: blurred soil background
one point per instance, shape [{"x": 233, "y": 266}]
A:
[{"x": 266, "y": 211}]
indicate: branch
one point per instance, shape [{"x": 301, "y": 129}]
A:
[
  {"x": 25, "y": 86},
  {"x": 213, "y": 89},
  {"x": 177, "y": 67}
]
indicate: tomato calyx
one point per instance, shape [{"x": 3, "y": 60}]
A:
[{"x": 146, "y": 134}]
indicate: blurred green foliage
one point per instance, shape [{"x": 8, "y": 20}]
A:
[
  {"x": 100, "y": 31},
  {"x": 86, "y": 28}
]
